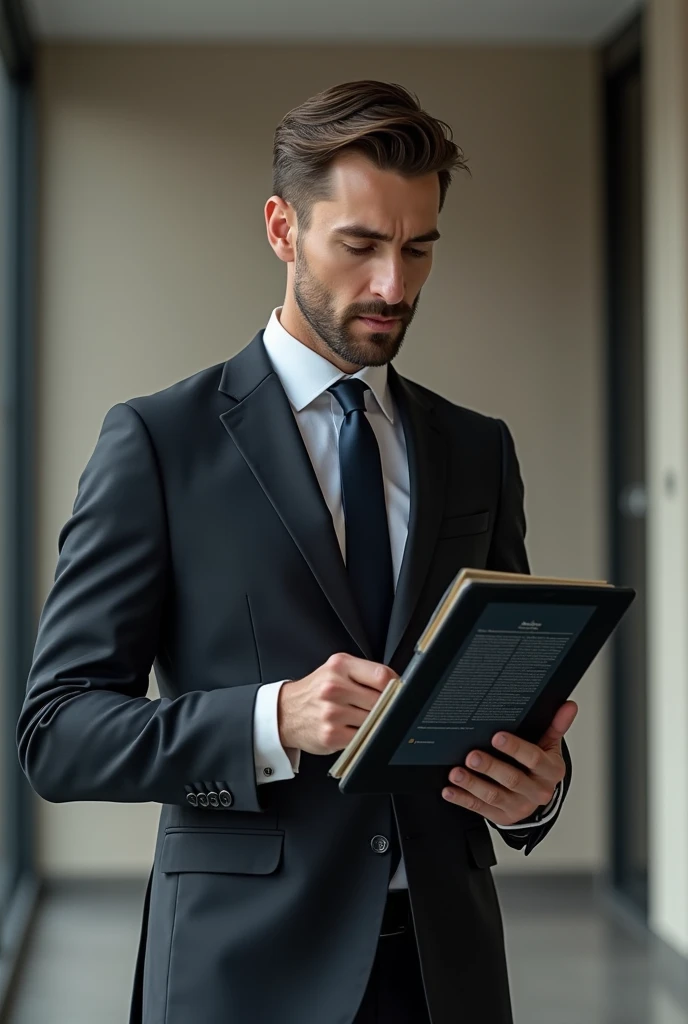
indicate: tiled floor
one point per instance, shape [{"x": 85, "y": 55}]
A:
[{"x": 570, "y": 962}]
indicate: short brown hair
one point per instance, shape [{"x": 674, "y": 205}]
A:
[{"x": 383, "y": 121}]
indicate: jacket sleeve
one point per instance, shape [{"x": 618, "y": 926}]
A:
[
  {"x": 508, "y": 554},
  {"x": 87, "y": 730}
]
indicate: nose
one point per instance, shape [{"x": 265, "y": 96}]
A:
[{"x": 388, "y": 283}]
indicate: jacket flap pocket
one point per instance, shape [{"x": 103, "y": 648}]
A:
[
  {"x": 481, "y": 847},
  {"x": 463, "y": 526},
  {"x": 221, "y": 852}
]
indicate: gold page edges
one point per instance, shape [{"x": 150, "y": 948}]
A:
[
  {"x": 489, "y": 576},
  {"x": 356, "y": 746}
]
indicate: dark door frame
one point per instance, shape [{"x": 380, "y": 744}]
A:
[{"x": 621, "y": 59}]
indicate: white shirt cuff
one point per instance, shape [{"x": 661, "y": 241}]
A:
[
  {"x": 273, "y": 762},
  {"x": 545, "y": 815}
]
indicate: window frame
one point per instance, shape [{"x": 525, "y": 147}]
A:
[{"x": 20, "y": 887}]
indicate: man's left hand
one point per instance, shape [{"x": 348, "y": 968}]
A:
[{"x": 504, "y": 794}]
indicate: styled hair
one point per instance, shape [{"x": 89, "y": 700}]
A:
[{"x": 381, "y": 120}]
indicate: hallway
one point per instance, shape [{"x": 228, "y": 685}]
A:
[{"x": 570, "y": 962}]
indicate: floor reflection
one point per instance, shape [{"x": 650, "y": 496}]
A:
[{"x": 570, "y": 962}]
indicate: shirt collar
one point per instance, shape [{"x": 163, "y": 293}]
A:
[{"x": 305, "y": 375}]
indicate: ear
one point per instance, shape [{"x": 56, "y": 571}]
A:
[{"x": 280, "y": 223}]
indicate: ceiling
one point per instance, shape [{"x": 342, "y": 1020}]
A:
[{"x": 362, "y": 21}]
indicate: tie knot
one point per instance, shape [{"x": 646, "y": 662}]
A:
[{"x": 350, "y": 394}]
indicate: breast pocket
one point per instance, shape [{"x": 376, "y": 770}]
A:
[{"x": 465, "y": 526}]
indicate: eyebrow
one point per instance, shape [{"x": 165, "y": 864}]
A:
[{"x": 360, "y": 231}]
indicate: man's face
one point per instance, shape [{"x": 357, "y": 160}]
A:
[{"x": 367, "y": 253}]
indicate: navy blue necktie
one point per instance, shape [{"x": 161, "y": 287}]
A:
[{"x": 368, "y": 551}]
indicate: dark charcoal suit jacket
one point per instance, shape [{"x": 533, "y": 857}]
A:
[{"x": 200, "y": 544}]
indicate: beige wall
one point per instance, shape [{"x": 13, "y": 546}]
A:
[
  {"x": 667, "y": 444},
  {"x": 154, "y": 264}
]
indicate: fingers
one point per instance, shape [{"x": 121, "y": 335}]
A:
[
  {"x": 323, "y": 711},
  {"x": 358, "y": 670},
  {"x": 541, "y": 764},
  {"x": 354, "y": 717},
  {"x": 363, "y": 697},
  {"x": 561, "y": 723},
  {"x": 455, "y": 795},
  {"x": 348, "y": 682},
  {"x": 346, "y": 716},
  {"x": 502, "y": 784}
]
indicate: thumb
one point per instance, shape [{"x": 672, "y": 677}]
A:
[{"x": 561, "y": 723}]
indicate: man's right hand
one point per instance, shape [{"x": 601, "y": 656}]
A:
[{"x": 322, "y": 712}]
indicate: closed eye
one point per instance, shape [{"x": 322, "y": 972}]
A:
[{"x": 416, "y": 253}]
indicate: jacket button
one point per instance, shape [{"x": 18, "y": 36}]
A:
[
  {"x": 226, "y": 798},
  {"x": 213, "y": 799},
  {"x": 192, "y": 799},
  {"x": 202, "y": 800},
  {"x": 379, "y": 844}
]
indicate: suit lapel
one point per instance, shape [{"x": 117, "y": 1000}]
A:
[
  {"x": 264, "y": 429},
  {"x": 426, "y": 448}
]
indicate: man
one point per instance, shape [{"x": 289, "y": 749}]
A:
[{"x": 273, "y": 534}]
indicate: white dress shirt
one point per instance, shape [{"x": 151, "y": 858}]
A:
[{"x": 305, "y": 377}]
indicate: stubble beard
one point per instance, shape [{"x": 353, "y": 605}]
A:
[{"x": 337, "y": 332}]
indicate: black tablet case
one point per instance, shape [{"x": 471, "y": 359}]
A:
[{"x": 506, "y": 657}]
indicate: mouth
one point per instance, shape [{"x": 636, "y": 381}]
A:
[{"x": 378, "y": 323}]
